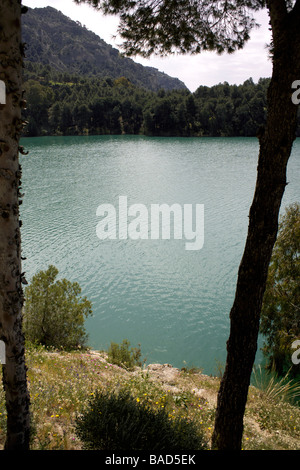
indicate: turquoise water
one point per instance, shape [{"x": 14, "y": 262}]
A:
[{"x": 174, "y": 302}]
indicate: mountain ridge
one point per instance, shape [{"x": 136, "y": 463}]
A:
[{"x": 65, "y": 45}]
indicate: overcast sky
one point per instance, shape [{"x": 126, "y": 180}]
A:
[{"x": 204, "y": 69}]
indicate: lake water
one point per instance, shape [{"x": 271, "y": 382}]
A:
[{"x": 172, "y": 301}]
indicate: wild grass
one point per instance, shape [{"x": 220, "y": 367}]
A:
[
  {"x": 277, "y": 388},
  {"x": 61, "y": 384}
]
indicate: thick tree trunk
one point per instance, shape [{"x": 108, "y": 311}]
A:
[
  {"x": 276, "y": 143},
  {"x": 11, "y": 294}
]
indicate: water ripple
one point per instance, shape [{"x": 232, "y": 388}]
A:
[{"x": 174, "y": 302}]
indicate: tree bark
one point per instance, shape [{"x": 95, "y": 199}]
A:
[
  {"x": 11, "y": 293},
  {"x": 276, "y": 142}
]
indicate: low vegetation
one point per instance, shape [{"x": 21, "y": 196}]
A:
[
  {"x": 82, "y": 399},
  {"x": 118, "y": 421},
  {"x": 62, "y": 384},
  {"x": 124, "y": 356}
]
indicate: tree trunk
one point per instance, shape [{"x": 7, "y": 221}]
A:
[
  {"x": 276, "y": 142},
  {"x": 11, "y": 294}
]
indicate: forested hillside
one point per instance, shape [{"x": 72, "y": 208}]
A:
[
  {"x": 77, "y": 84},
  {"x": 65, "y": 45},
  {"x": 59, "y": 103}
]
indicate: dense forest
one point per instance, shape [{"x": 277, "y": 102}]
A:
[{"x": 59, "y": 103}]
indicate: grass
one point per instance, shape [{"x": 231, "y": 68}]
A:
[
  {"x": 275, "y": 388},
  {"x": 60, "y": 385}
]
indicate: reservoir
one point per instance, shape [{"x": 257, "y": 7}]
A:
[{"x": 174, "y": 302}]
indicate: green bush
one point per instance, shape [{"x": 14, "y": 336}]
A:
[
  {"x": 121, "y": 355},
  {"x": 54, "y": 312},
  {"x": 116, "y": 421}
]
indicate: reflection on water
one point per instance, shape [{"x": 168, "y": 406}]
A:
[{"x": 174, "y": 302}]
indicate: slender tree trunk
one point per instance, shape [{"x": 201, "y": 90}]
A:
[
  {"x": 11, "y": 294},
  {"x": 276, "y": 142}
]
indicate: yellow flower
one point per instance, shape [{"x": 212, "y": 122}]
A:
[{"x": 138, "y": 400}]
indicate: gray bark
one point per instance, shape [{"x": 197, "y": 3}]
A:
[{"x": 11, "y": 293}]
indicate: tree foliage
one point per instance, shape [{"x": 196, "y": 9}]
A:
[
  {"x": 168, "y": 26},
  {"x": 280, "y": 318},
  {"x": 54, "y": 311},
  {"x": 68, "y": 104}
]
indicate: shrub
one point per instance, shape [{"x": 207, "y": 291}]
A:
[
  {"x": 116, "y": 421},
  {"x": 276, "y": 388},
  {"x": 54, "y": 312},
  {"x": 121, "y": 355}
]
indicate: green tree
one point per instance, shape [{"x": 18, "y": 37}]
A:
[
  {"x": 39, "y": 98},
  {"x": 81, "y": 116},
  {"x": 54, "y": 312},
  {"x": 183, "y": 26},
  {"x": 280, "y": 318},
  {"x": 54, "y": 116},
  {"x": 66, "y": 119}
]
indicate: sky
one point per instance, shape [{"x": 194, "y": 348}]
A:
[{"x": 207, "y": 68}]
